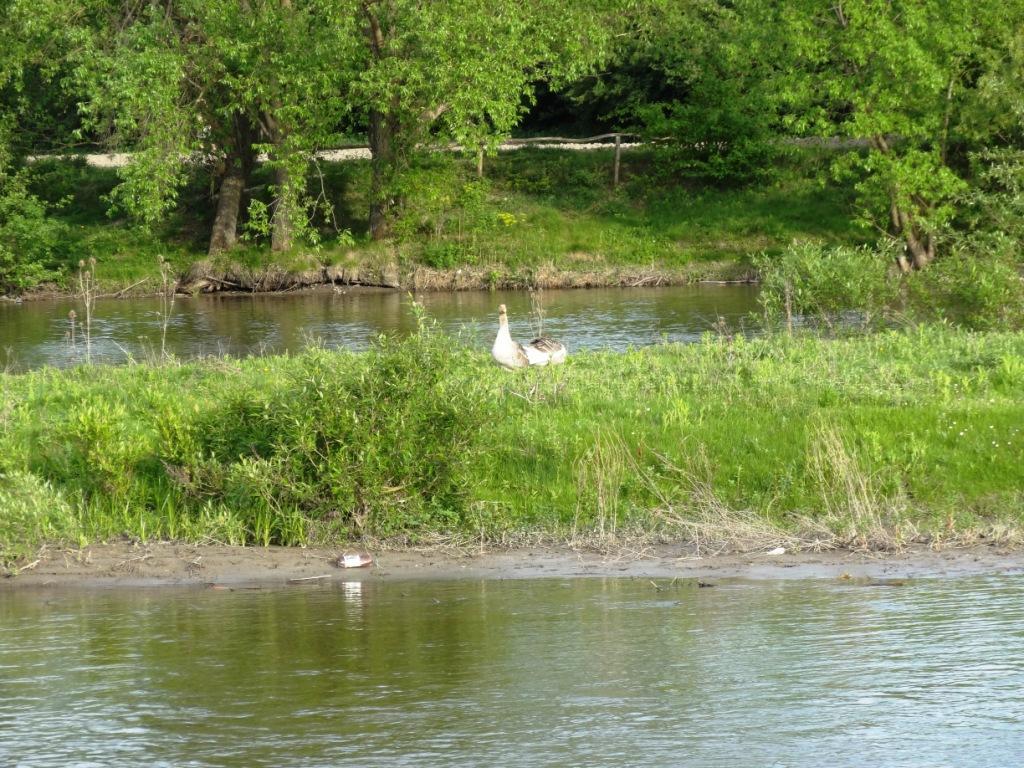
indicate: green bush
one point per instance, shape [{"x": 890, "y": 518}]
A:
[
  {"x": 375, "y": 443},
  {"x": 443, "y": 254},
  {"x": 578, "y": 176},
  {"x": 74, "y": 186},
  {"x": 31, "y": 244},
  {"x": 995, "y": 201},
  {"x": 33, "y": 512},
  {"x": 437, "y": 201},
  {"x": 821, "y": 282},
  {"x": 978, "y": 285}
]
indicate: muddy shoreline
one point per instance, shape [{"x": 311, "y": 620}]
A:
[
  {"x": 127, "y": 564},
  {"x": 202, "y": 278}
]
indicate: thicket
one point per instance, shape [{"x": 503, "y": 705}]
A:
[
  {"x": 977, "y": 283},
  {"x": 323, "y": 446}
]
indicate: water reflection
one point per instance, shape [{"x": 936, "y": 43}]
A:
[
  {"x": 554, "y": 672},
  {"x": 33, "y": 334}
]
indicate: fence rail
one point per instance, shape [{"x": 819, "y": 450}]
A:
[{"x": 348, "y": 152}]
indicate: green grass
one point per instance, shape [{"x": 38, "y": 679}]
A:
[
  {"x": 868, "y": 441},
  {"x": 535, "y": 208}
]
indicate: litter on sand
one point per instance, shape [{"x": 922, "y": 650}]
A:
[{"x": 357, "y": 560}]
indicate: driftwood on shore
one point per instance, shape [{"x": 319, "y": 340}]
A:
[{"x": 203, "y": 277}]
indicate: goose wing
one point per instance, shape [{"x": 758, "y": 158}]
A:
[
  {"x": 543, "y": 351},
  {"x": 544, "y": 344}
]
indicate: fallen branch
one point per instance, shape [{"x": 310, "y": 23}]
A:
[{"x": 123, "y": 291}]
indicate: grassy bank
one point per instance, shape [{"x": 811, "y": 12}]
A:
[
  {"x": 545, "y": 215},
  {"x": 872, "y": 441}
]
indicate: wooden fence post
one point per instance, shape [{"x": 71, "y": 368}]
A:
[{"x": 480, "y": 162}]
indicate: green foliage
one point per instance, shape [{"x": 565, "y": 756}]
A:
[
  {"x": 32, "y": 512},
  {"x": 699, "y": 75},
  {"x": 258, "y": 223},
  {"x": 191, "y": 85},
  {"x": 466, "y": 69},
  {"x": 823, "y": 282},
  {"x": 385, "y": 445},
  {"x": 926, "y": 424},
  {"x": 375, "y": 444},
  {"x": 978, "y": 285},
  {"x": 446, "y": 255},
  {"x": 906, "y": 78},
  {"x": 904, "y": 179},
  {"x": 438, "y": 199},
  {"x": 32, "y": 243},
  {"x": 994, "y": 204}
]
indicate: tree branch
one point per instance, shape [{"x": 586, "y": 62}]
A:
[{"x": 430, "y": 115}]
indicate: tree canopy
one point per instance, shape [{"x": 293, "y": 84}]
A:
[{"x": 925, "y": 94}]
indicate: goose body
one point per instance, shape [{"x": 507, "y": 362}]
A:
[{"x": 512, "y": 354}]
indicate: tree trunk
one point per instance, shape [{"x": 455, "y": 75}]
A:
[
  {"x": 919, "y": 247},
  {"x": 382, "y": 164},
  {"x": 282, "y": 229},
  {"x": 281, "y": 237},
  {"x": 237, "y": 168},
  {"x": 229, "y": 202}
]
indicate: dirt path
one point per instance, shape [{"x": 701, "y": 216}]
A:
[{"x": 126, "y": 564}]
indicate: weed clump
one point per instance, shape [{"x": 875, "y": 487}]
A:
[{"x": 371, "y": 444}]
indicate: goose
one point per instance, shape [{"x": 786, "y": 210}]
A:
[{"x": 512, "y": 354}]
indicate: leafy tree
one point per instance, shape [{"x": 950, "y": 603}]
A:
[
  {"x": 695, "y": 72},
  {"x": 463, "y": 70},
  {"x": 902, "y": 75},
  {"x": 215, "y": 81},
  {"x": 30, "y": 241}
]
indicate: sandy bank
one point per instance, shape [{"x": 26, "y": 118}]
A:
[{"x": 153, "y": 565}]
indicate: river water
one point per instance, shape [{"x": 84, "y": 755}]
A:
[
  {"x": 587, "y": 672},
  {"x": 33, "y": 334}
]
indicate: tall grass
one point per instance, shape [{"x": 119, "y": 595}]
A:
[{"x": 867, "y": 442}]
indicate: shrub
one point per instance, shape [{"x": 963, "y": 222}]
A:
[
  {"x": 444, "y": 254},
  {"x": 31, "y": 243},
  {"x": 374, "y": 443},
  {"x": 978, "y": 285},
  {"x": 823, "y": 282},
  {"x": 33, "y": 512},
  {"x": 995, "y": 201},
  {"x": 382, "y": 444}
]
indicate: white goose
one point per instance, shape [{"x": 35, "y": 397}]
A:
[{"x": 512, "y": 354}]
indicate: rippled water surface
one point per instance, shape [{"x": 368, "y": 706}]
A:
[
  {"x": 36, "y": 333},
  {"x": 517, "y": 673}
]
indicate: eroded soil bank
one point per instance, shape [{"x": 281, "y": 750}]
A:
[
  {"x": 126, "y": 564},
  {"x": 204, "y": 277}
]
